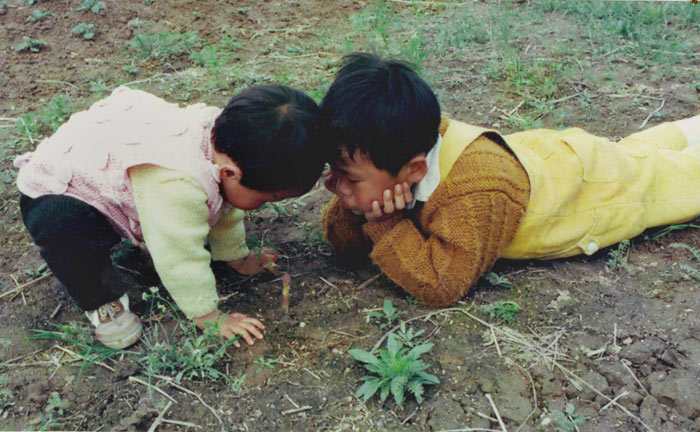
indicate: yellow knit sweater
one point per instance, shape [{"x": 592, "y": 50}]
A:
[{"x": 438, "y": 251}]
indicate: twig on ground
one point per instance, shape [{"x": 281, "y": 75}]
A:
[
  {"x": 181, "y": 423},
  {"x": 160, "y": 417},
  {"x": 663, "y": 102},
  {"x": 635, "y": 377},
  {"x": 19, "y": 288},
  {"x": 296, "y": 410},
  {"x": 136, "y": 380},
  {"x": 55, "y": 311},
  {"x": 190, "y": 392},
  {"x": 368, "y": 281},
  {"x": 10, "y": 361},
  {"x": 498, "y": 415},
  {"x": 291, "y": 401},
  {"x": 614, "y": 400},
  {"x": 409, "y": 417}
]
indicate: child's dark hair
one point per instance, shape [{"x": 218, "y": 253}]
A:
[
  {"x": 271, "y": 132},
  {"x": 381, "y": 107}
]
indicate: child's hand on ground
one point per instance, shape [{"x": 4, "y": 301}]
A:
[
  {"x": 234, "y": 324},
  {"x": 256, "y": 262},
  {"x": 392, "y": 202}
]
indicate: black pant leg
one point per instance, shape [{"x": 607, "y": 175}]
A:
[{"x": 75, "y": 241}]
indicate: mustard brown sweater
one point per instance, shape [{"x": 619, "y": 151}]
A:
[{"x": 440, "y": 251}]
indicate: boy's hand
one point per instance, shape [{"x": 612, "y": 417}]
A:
[
  {"x": 255, "y": 262},
  {"x": 234, "y": 324},
  {"x": 392, "y": 202}
]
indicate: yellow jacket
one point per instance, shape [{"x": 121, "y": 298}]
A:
[{"x": 587, "y": 192}]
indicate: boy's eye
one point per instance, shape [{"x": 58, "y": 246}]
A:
[{"x": 353, "y": 181}]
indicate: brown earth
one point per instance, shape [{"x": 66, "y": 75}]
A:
[{"x": 629, "y": 330}]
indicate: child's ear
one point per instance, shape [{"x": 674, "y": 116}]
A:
[
  {"x": 230, "y": 171},
  {"x": 414, "y": 170}
]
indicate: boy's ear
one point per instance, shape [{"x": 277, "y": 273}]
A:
[
  {"x": 414, "y": 170},
  {"x": 230, "y": 171}
]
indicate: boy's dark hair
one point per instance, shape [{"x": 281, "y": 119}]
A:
[
  {"x": 381, "y": 107},
  {"x": 271, "y": 132}
]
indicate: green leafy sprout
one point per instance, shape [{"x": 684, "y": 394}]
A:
[
  {"x": 397, "y": 370},
  {"x": 93, "y": 6},
  {"x": 388, "y": 314},
  {"x": 501, "y": 309},
  {"x": 87, "y": 31},
  {"x": 568, "y": 420},
  {"x": 29, "y": 44}
]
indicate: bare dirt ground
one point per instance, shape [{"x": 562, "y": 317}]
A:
[{"x": 619, "y": 326}]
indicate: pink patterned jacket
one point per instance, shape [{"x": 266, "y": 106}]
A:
[{"x": 89, "y": 155}]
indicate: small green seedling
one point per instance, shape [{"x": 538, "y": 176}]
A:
[
  {"x": 501, "y": 309},
  {"x": 388, "y": 314},
  {"x": 568, "y": 420},
  {"x": 618, "y": 256},
  {"x": 87, "y": 31},
  {"x": 93, "y": 6},
  {"x": 397, "y": 370},
  {"x": 29, "y": 44},
  {"x": 286, "y": 283},
  {"x": 498, "y": 280},
  {"x": 38, "y": 15},
  {"x": 98, "y": 86},
  {"x": 407, "y": 335},
  {"x": 263, "y": 363}
]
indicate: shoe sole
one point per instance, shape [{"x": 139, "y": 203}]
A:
[{"x": 126, "y": 337}]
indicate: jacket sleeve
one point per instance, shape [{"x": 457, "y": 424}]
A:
[
  {"x": 227, "y": 236},
  {"x": 343, "y": 230},
  {"x": 466, "y": 225},
  {"x": 173, "y": 215}
]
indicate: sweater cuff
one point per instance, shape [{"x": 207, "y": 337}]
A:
[{"x": 377, "y": 230}]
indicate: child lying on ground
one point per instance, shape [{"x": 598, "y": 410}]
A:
[
  {"x": 438, "y": 201},
  {"x": 170, "y": 179}
]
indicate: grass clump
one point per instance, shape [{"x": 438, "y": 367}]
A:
[
  {"x": 397, "y": 370},
  {"x": 501, "y": 309},
  {"x": 31, "y": 45},
  {"x": 164, "y": 45}
]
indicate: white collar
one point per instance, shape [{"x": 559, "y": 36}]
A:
[{"x": 425, "y": 188}]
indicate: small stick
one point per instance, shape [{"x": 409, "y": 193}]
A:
[
  {"x": 296, "y": 410},
  {"x": 286, "y": 282},
  {"x": 153, "y": 387},
  {"x": 55, "y": 311},
  {"x": 614, "y": 400},
  {"x": 181, "y": 423},
  {"x": 26, "y": 284},
  {"x": 190, "y": 392},
  {"x": 160, "y": 417},
  {"x": 292, "y": 402},
  {"x": 663, "y": 102},
  {"x": 313, "y": 374},
  {"x": 635, "y": 377},
  {"x": 498, "y": 415},
  {"x": 7, "y": 363},
  {"x": 495, "y": 341},
  {"x": 368, "y": 281}
]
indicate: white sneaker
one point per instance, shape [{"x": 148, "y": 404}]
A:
[{"x": 115, "y": 325}]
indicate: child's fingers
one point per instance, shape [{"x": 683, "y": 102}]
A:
[
  {"x": 388, "y": 202},
  {"x": 255, "y": 322},
  {"x": 375, "y": 213},
  {"x": 407, "y": 194},
  {"x": 399, "y": 198}
]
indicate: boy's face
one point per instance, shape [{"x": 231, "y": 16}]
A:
[{"x": 357, "y": 182}]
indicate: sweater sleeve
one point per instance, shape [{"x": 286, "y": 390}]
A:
[
  {"x": 466, "y": 225},
  {"x": 227, "y": 236},
  {"x": 343, "y": 230},
  {"x": 173, "y": 215}
]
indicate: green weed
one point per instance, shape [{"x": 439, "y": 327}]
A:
[
  {"x": 80, "y": 336},
  {"x": 568, "y": 420},
  {"x": 501, "y": 309},
  {"x": 397, "y": 370},
  {"x": 618, "y": 256},
  {"x": 38, "y": 15},
  {"x": 408, "y": 336},
  {"x": 163, "y": 45},
  {"x": 93, "y": 6},
  {"x": 387, "y": 315},
  {"x": 264, "y": 363},
  {"x": 98, "y": 86},
  {"x": 498, "y": 280},
  {"x": 31, "y": 45},
  {"x": 671, "y": 228},
  {"x": 6, "y": 395},
  {"x": 87, "y": 31}
]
